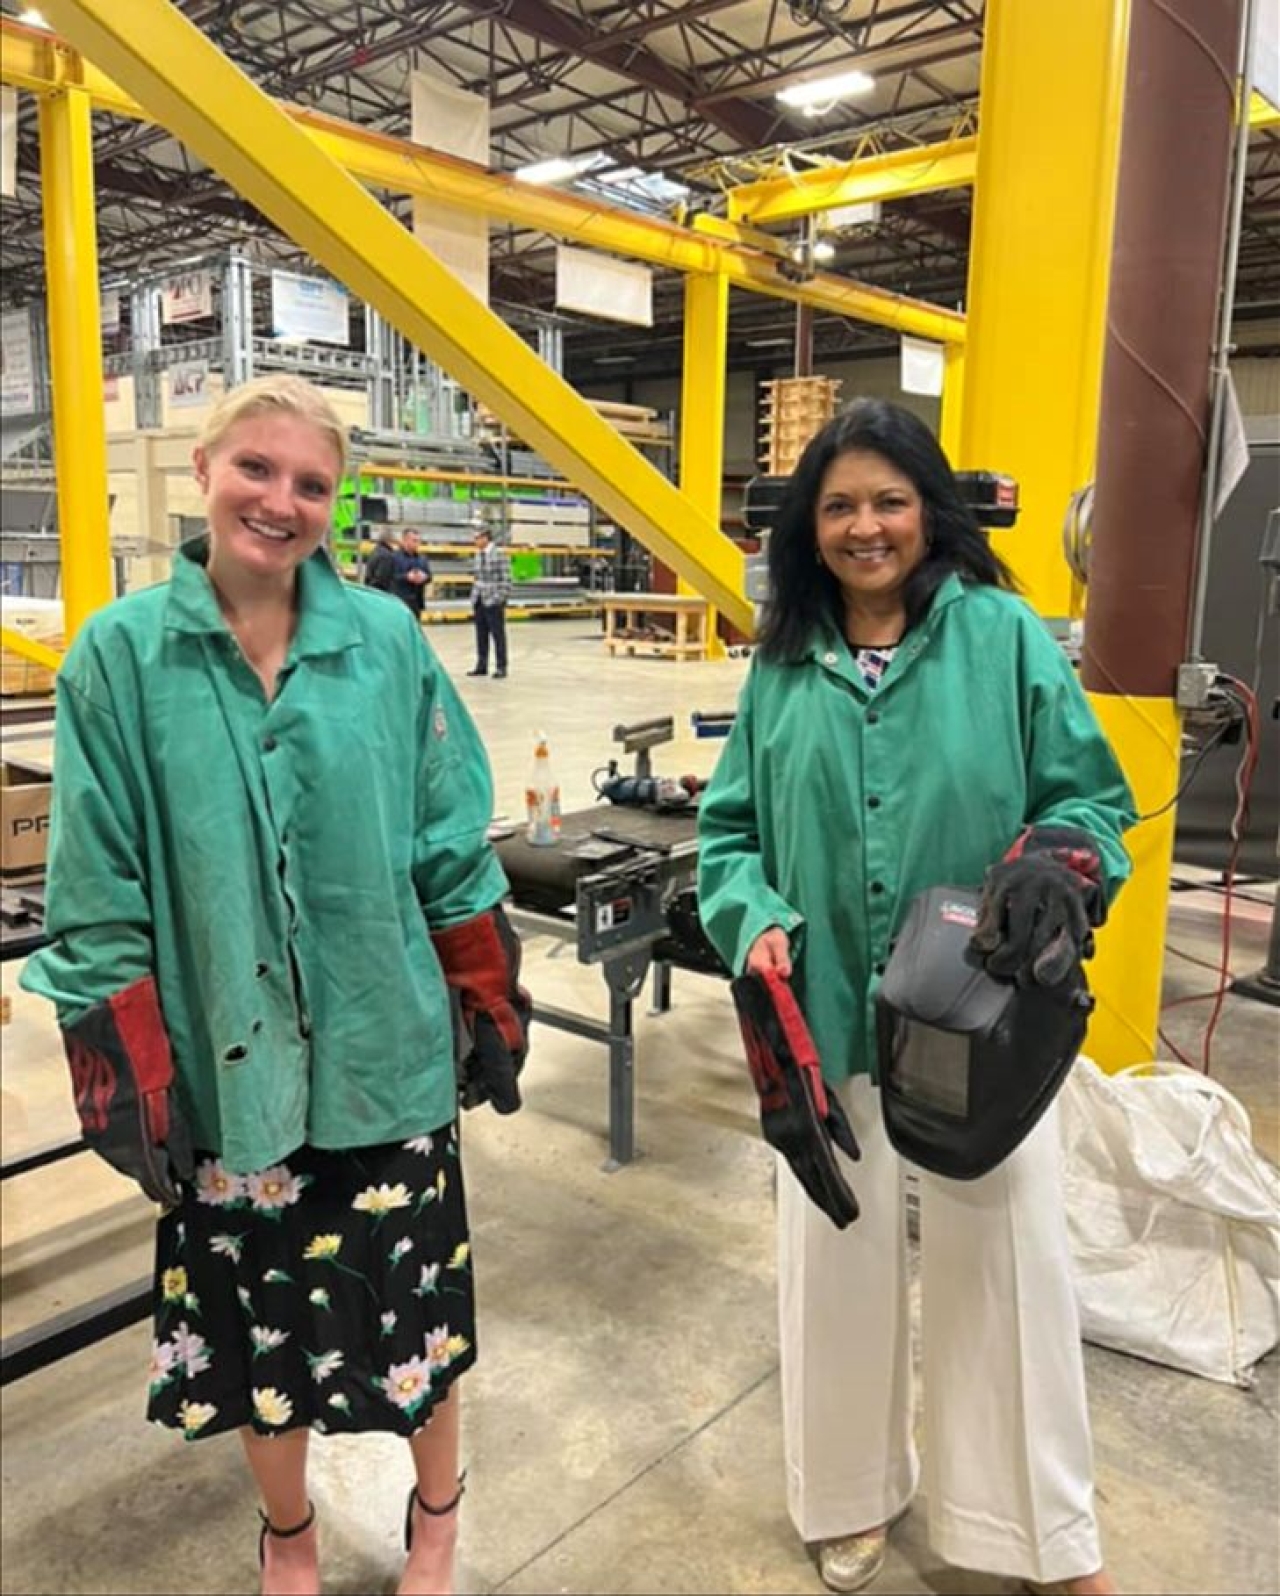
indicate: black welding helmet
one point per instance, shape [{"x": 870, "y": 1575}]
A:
[{"x": 967, "y": 1063}]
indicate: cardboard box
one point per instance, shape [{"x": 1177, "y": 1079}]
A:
[{"x": 25, "y": 793}]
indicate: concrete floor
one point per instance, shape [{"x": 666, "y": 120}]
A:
[{"x": 622, "y": 1427}]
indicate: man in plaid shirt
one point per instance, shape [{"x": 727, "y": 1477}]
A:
[{"x": 490, "y": 590}]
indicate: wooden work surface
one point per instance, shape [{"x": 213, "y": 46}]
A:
[{"x": 686, "y": 638}]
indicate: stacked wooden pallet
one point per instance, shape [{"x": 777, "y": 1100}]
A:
[
  {"x": 640, "y": 423},
  {"x": 792, "y": 410},
  {"x": 40, "y": 620}
]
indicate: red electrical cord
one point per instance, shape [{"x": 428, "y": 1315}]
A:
[{"x": 1243, "y": 783}]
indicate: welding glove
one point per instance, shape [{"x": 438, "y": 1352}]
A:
[
  {"x": 798, "y": 1115},
  {"x": 1038, "y": 905},
  {"x": 122, "y": 1074},
  {"x": 481, "y": 963}
]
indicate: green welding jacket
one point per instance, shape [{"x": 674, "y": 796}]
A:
[
  {"x": 832, "y": 805},
  {"x": 274, "y": 865}
]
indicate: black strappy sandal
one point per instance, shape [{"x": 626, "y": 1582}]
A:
[
  {"x": 431, "y": 1512},
  {"x": 268, "y": 1528}
]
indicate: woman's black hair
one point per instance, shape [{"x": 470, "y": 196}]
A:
[{"x": 804, "y": 597}]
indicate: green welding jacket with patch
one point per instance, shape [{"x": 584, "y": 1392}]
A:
[
  {"x": 276, "y": 866},
  {"x": 832, "y": 805}
]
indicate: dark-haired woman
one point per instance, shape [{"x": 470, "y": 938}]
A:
[{"x": 906, "y": 719}]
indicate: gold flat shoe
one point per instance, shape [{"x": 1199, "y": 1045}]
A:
[{"x": 852, "y": 1561}]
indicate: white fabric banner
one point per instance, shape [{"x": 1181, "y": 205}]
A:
[
  {"x": 455, "y": 122},
  {"x": 186, "y": 296},
  {"x": 922, "y": 366},
  {"x": 17, "y": 364},
  {"x": 188, "y": 384},
  {"x": 310, "y": 308},
  {"x": 8, "y": 142},
  {"x": 599, "y": 285}
]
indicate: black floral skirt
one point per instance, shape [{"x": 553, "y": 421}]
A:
[{"x": 333, "y": 1290}]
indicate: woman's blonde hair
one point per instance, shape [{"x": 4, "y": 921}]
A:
[{"x": 281, "y": 391}]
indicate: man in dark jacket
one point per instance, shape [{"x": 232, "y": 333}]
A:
[{"x": 411, "y": 575}]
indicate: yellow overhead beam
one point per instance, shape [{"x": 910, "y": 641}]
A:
[
  {"x": 192, "y": 89},
  {"x": 34, "y": 60},
  {"x": 1261, "y": 111},
  {"x": 39, "y": 63},
  {"x": 871, "y": 177}
]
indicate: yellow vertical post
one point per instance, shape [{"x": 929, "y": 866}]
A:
[
  {"x": 75, "y": 354},
  {"x": 1126, "y": 975},
  {"x": 1044, "y": 199},
  {"x": 1044, "y": 204},
  {"x": 702, "y": 401}
]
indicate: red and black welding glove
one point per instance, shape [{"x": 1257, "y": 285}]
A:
[
  {"x": 1038, "y": 905},
  {"x": 122, "y": 1073},
  {"x": 797, "y": 1114},
  {"x": 481, "y": 963}
]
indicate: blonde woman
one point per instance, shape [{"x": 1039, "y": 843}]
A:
[{"x": 268, "y": 868}]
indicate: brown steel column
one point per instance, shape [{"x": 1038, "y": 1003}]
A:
[
  {"x": 804, "y": 341},
  {"x": 1171, "y": 212}
]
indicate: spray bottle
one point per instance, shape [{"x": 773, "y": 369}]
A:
[{"x": 542, "y": 799}]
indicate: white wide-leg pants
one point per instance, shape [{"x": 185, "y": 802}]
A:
[{"x": 1008, "y": 1469}]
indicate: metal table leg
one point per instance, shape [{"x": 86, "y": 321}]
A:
[{"x": 660, "y": 1000}]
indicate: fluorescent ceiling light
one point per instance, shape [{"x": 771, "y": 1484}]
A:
[
  {"x": 824, "y": 250},
  {"x": 852, "y": 215},
  {"x": 613, "y": 360},
  {"x": 767, "y": 343},
  {"x": 558, "y": 169},
  {"x": 819, "y": 94}
]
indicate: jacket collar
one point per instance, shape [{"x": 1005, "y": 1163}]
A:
[
  {"x": 830, "y": 649},
  {"x": 326, "y": 621}
]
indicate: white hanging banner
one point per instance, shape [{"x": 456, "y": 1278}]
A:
[
  {"x": 308, "y": 308},
  {"x": 17, "y": 364},
  {"x": 188, "y": 383},
  {"x": 449, "y": 119},
  {"x": 1233, "y": 448},
  {"x": 922, "y": 366},
  {"x": 186, "y": 296},
  {"x": 8, "y": 142},
  {"x": 599, "y": 285}
]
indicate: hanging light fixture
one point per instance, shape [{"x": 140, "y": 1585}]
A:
[{"x": 818, "y": 95}]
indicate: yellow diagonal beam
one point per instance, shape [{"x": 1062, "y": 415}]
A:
[
  {"x": 747, "y": 259},
  {"x": 872, "y": 177},
  {"x": 1261, "y": 111},
  {"x": 29, "y": 648},
  {"x": 187, "y": 85}
]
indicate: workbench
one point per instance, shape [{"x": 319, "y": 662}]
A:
[
  {"x": 686, "y": 612},
  {"x": 619, "y": 885}
]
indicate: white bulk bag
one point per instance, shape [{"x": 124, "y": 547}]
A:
[{"x": 1174, "y": 1219}]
